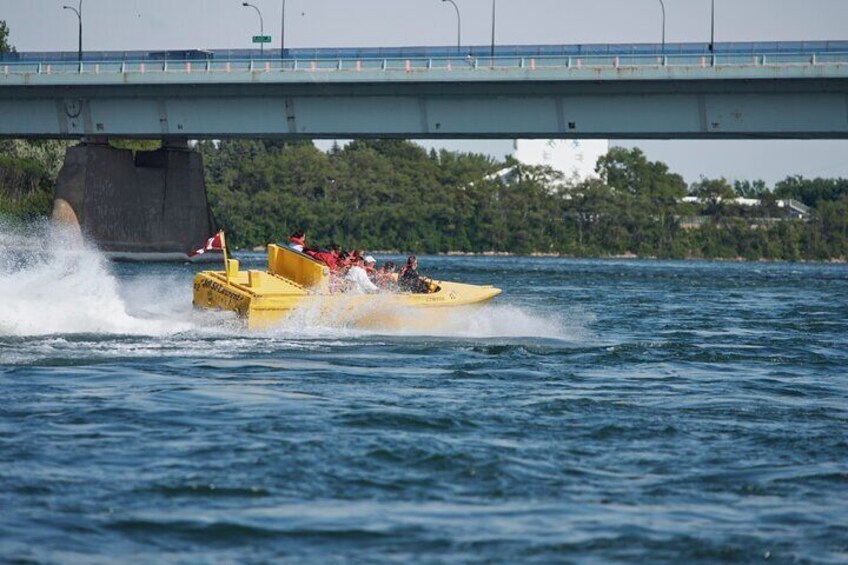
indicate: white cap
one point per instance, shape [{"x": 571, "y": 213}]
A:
[{"x": 369, "y": 259}]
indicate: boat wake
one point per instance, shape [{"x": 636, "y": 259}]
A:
[{"x": 470, "y": 322}]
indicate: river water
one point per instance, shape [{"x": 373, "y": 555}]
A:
[{"x": 597, "y": 411}]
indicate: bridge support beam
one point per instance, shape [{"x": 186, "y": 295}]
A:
[{"x": 151, "y": 204}]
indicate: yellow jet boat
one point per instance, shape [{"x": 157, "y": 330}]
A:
[{"x": 294, "y": 281}]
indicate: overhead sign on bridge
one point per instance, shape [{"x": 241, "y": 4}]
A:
[{"x": 262, "y": 39}]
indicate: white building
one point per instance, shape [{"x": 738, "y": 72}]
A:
[{"x": 574, "y": 158}]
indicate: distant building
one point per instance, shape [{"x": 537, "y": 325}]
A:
[
  {"x": 574, "y": 158},
  {"x": 794, "y": 209}
]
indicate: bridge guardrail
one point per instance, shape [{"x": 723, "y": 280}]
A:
[
  {"x": 424, "y": 64},
  {"x": 699, "y": 49}
]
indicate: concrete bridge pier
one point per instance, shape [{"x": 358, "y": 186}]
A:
[{"x": 142, "y": 205}]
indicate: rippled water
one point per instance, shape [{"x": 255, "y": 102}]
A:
[{"x": 597, "y": 411}]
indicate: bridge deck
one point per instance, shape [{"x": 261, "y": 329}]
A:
[{"x": 683, "y": 95}]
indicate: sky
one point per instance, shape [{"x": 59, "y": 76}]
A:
[{"x": 42, "y": 25}]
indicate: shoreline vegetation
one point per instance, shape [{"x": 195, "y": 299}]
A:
[
  {"x": 624, "y": 256},
  {"x": 394, "y": 195},
  {"x": 388, "y": 194}
]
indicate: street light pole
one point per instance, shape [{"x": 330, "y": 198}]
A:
[
  {"x": 78, "y": 12},
  {"x": 283, "y": 33},
  {"x": 493, "y": 30},
  {"x": 458, "y": 27},
  {"x": 261, "y": 26},
  {"x": 712, "y": 28},
  {"x": 662, "y": 5}
]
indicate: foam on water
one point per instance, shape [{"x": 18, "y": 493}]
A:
[
  {"x": 53, "y": 282},
  {"x": 474, "y": 322},
  {"x": 503, "y": 321}
]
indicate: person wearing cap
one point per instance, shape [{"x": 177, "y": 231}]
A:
[{"x": 370, "y": 266}]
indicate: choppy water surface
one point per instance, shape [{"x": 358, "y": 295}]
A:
[{"x": 601, "y": 411}]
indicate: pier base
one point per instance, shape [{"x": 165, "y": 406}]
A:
[{"x": 147, "y": 205}]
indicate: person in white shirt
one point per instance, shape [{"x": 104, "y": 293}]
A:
[
  {"x": 358, "y": 279},
  {"x": 371, "y": 267}
]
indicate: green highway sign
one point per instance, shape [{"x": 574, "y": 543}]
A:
[{"x": 262, "y": 39}]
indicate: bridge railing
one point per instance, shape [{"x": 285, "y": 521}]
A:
[
  {"x": 435, "y": 52},
  {"x": 446, "y": 63}
]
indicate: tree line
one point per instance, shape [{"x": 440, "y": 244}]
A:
[{"x": 394, "y": 195}]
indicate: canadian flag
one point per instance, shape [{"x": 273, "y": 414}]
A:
[{"x": 214, "y": 243}]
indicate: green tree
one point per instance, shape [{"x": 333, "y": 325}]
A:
[
  {"x": 811, "y": 191},
  {"x": 392, "y": 195},
  {"x": 5, "y": 46},
  {"x": 654, "y": 193},
  {"x": 748, "y": 189},
  {"x": 28, "y": 170},
  {"x": 25, "y": 187},
  {"x": 714, "y": 193}
]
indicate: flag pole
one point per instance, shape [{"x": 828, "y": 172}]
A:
[{"x": 224, "y": 250}]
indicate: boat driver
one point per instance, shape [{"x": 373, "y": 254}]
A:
[{"x": 410, "y": 279}]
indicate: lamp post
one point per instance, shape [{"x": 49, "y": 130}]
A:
[
  {"x": 261, "y": 25},
  {"x": 458, "y": 27},
  {"x": 662, "y": 5},
  {"x": 78, "y": 12},
  {"x": 493, "y": 30},
  {"x": 712, "y": 27},
  {"x": 283, "y": 33}
]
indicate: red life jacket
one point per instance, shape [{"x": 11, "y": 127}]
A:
[{"x": 325, "y": 257}]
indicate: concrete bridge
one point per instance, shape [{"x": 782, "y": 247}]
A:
[
  {"x": 796, "y": 90},
  {"x": 157, "y": 201}
]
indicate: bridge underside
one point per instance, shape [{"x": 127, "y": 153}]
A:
[{"x": 691, "y": 109}]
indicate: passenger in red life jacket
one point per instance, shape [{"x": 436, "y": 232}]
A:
[
  {"x": 329, "y": 256},
  {"x": 297, "y": 241},
  {"x": 346, "y": 259}
]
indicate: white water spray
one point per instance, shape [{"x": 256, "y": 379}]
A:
[
  {"x": 53, "y": 282},
  {"x": 319, "y": 320}
]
